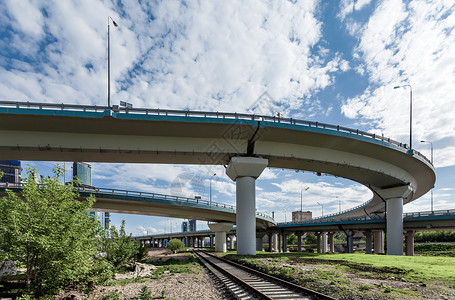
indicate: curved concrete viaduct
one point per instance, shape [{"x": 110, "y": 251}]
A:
[{"x": 245, "y": 143}]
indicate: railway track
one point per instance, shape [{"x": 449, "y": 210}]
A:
[{"x": 246, "y": 283}]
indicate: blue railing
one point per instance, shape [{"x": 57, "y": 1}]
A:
[
  {"x": 374, "y": 217},
  {"x": 205, "y": 114},
  {"x": 118, "y": 192}
]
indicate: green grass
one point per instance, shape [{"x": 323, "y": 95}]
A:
[{"x": 420, "y": 267}]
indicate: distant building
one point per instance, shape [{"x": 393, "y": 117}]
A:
[
  {"x": 11, "y": 171},
  {"x": 83, "y": 172},
  {"x": 191, "y": 225},
  {"x": 107, "y": 220},
  {"x": 301, "y": 216},
  {"x": 184, "y": 226}
]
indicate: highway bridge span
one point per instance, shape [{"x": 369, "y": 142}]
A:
[{"x": 245, "y": 143}]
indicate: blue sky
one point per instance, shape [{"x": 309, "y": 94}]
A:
[{"x": 328, "y": 61}]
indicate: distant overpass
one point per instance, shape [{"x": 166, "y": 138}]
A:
[
  {"x": 412, "y": 222},
  {"x": 246, "y": 143},
  {"x": 152, "y": 204}
]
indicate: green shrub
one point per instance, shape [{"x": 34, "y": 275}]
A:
[
  {"x": 120, "y": 249},
  {"x": 174, "y": 245},
  {"x": 146, "y": 294}
]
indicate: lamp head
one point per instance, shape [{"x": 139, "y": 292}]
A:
[
  {"x": 397, "y": 87},
  {"x": 115, "y": 24}
]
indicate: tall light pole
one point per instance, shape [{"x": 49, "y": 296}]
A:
[
  {"x": 211, "y": 188},
  {"x": 301, "y": 197},
  {"x": 322, "y": 207},
  {"x": 431, "y": 191},
  {"x": 109, "y": 61},
  {"x": 410, "y": 111}
]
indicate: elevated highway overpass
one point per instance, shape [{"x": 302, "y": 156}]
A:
[
  {"x": 153, "y": 204},
  {"x": 412, "y": 222},
  {"x": 246, "y": 144}
]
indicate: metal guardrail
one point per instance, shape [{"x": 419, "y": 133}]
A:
[
  {"x": 374, "y": 217},
  {"x": 205, "y": 114},
  {"x": 344, "y": 211},
  {"x": 147, "y": 195},
  {"x": 429, "y": 213}
]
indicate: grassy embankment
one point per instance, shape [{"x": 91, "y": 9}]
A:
[{"x": 350, "y": 276}]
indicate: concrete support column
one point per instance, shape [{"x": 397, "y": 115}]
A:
[
  {"x": 231, "y": 242},
  {"x": 299, "y": 241},
  {"x": 211, "y": 241},
  {"x": 160, "y": 243},
  {"x": 331, "y": 242},
  {"x": 284, "y": 237},
  {"x": 378, "y": 242},
  {"x": 220, "y": 230},
  {"x": 275, "y": 242},
  {"x": 270, "y": 235},
  {"x": 367, "y": 241},
  {"x": 259, "y": 236},
  {"x": 350, "y": 241},
  {"x": 193, "y": 241},
  {"x": 244, "y": 171},
  {"x": 394, "y": 210},
  {"x": 279, "y": 239},
  {"x": 318, "y": 242},
  {"x": 324, "y": 242},
  {"x": 410, "y": 242},
  {"x": 395, "y": 226}
]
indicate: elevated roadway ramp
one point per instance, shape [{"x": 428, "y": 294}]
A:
[{"x": 395, "y": 173}]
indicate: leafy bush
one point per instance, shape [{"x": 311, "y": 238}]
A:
[
  {"x": 174, "y": 245},
  {"x": 435, "y": 249},
  {"x": 435, "y": 236},
  {"x": 120, "y": 249},
  {"x": 46, "y": 228}
]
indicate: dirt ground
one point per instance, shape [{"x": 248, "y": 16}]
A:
[{"x": 197, "y": 285}]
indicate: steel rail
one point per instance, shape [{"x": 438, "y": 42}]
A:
[{"x": 305, "y": 292}]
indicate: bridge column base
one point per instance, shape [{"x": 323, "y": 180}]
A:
[
  {"x": 284, "y": 237},
  {"x": 350, "y": 241},
  {"x": 259, "y": 236},
  {"x": 244, "y": 171},
  {"x": 368, "y": 242},
  {"x": 378, "y": 242},
  {"x": 220, "y": 230},
  {"x": 410, "y": 242},
  {"x": 394, "y": 209},
  {"x": 299, "y": 241},
  {"x": 331, "y": 242}
]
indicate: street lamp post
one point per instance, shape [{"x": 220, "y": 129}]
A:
[
  {"x": 211, "y": 188},
  {"x": 301, "y": 197},
  {"x": 410, "y": 111},
  {"x": 431, "y": 191},
  {"x": 322, "y": 207},
  {"x": 109, "y": 61}
]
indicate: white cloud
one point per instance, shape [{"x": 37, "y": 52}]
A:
[
  {"x": 211, "y": 56},
  {"x": 415, "y": 45},
  {"x": 347, "y": 7}
]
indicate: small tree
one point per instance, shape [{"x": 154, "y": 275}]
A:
[
  {"x": 121, "y": 249},
  {"x": 175, "y": 245},
  {"x": 292, "y": 239},
  {"x": 47, "y": 229},
  {"x": 311, "y": 238}
]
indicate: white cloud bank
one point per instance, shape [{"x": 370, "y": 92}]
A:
[
  {"x": 212, "y": 55},
  {"x": 409, "y": 44}
]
